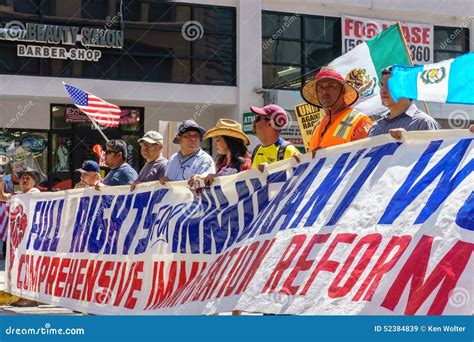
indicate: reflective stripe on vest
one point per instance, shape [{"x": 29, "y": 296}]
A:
[{"x": 344, "y": 127}]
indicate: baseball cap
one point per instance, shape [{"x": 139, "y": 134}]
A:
[
  {"x": 152, "y": 137},
  {"x": 89, "y": 166},
  {"x": 273, "y": 111}
]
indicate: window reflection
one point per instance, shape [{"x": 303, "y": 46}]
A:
[
  {"x": 154, "y": 47},
  {"x": 292, "y": 43}
]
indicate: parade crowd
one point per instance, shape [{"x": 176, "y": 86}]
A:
[{"x": 341, "y": 124}]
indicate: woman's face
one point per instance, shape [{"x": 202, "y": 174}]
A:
[
  {"x": 27, "y": 182},
  {"x": 220, "y": 145}
]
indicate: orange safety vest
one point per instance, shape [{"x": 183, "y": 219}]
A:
[{"x": 340, "y": 129}]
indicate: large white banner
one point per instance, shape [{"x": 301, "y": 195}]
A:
[
  {"x": 419, "y": 37},
  {"x": 371, "y": 227}
]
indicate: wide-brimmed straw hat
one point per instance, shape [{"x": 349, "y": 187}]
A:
[
  {"x": 310, "y": 95},
  {"x": 229, "y": 128}
]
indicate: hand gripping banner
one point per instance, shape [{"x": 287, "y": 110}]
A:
[{"x": 373, "y": 227}]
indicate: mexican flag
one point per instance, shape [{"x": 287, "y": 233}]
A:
[{"x": 362, "y": 67}]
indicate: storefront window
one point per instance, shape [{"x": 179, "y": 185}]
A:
[
  {"x": 75, "y": 139},
  {"x": 292, "y": 44},
  {"x": 61, "y": 162},
  {"x": 150, "y": 12},
  {"x": 151, "y": 47},
  {"x": 77, "y": 9},
  {"x": 25, "y": 149},
  {"x": 450, "y": 42},
  {"x": 68, "y": 117}
]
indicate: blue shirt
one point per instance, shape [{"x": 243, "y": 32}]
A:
[
  {"x": 412, "y": 119},
  {"x": 182, "y": 168},
  {"x": 122, "y": 175},
  {"x": 153, "y": 171}
]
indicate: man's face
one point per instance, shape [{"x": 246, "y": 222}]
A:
[
  {"x": 190, "y": 141},
  {"x": 150, "y": 151},
  {"x": 329, "y": 92},
  {"x": 90, "y": 178},
  {"x": 385, "y": 96},
  {"x": 27, "y": 182},
  {"x": 261, "y": 125},
  {"x": 112, "y": 158}
]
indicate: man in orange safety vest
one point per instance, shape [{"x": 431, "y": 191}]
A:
[{"x": 341, "y": 123}]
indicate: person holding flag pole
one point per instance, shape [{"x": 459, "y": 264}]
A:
[
  {"x": 403, "y": 115},
  {"x": 356, "y": 75}
]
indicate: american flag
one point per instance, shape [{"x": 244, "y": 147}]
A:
[
  {"x": 102, "y": 112},
  {"x": 4, "y": 220}
]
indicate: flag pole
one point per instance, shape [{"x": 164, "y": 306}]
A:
[
  {"x": 98, "y": 128},
  {"x": 94, "y": 123},
  {"x": 400, "y": 29}
]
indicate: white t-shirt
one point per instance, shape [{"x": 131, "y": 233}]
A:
[{"x": 31, "y": 191}]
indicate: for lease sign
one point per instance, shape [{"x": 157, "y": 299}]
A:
[{"x": 419, "y": 37}]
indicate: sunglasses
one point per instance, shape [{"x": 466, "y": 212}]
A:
[
  {"x": 109, "y": 152},
  {"x": 259, "y": 118}
]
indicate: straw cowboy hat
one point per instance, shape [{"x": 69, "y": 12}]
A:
[
  {"x": 309, "y": 94},
  {"x": 230, "y": 128}
]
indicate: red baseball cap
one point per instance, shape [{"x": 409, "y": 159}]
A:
[{"x": 275, "y": 112}]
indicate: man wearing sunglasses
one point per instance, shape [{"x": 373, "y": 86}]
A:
[
  {"x": 267, "y": 126},
  {"x": 121, "y": 173},
  {"x": 402, "y": 115}
]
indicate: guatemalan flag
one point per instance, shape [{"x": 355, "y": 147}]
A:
[{"x": 450, "y": 81}]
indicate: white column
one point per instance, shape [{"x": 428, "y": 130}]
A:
[{"x": 249, "y": 55}]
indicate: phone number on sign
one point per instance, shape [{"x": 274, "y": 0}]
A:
[{"x": 396, "y": 328}]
